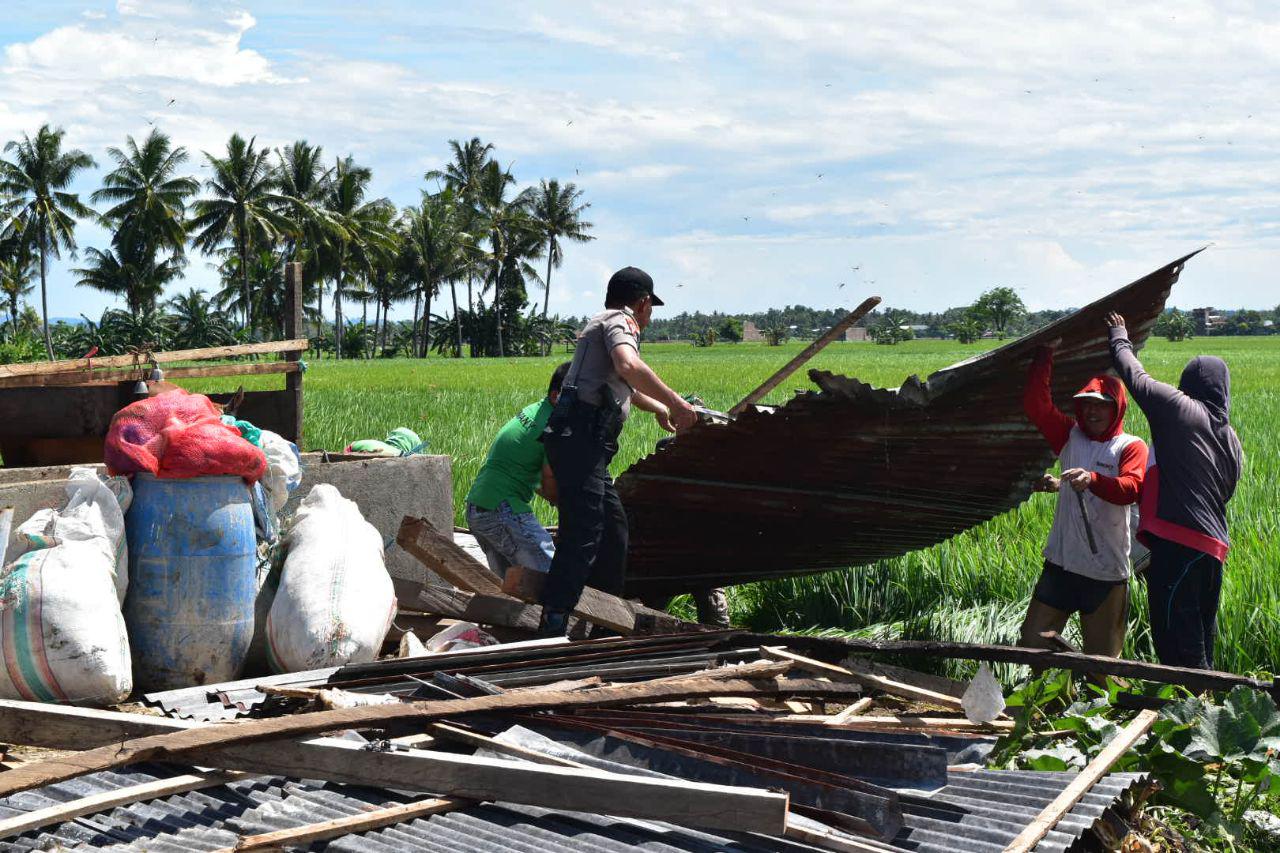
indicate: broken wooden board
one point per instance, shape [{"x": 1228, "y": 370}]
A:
[
  {"x": 867, "y": 679},
  {"x": 202, "y": 741},
  {"x": 302, "y": 836},
  {"x": 438, "y": 552}
]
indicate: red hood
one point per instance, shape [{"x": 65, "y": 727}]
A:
[{"x": 1113, "y": 387}]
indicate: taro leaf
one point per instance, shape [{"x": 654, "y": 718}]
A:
[
  {"x": 1060, "y": 757},
  {"x": 1222, "y": 735},
  {"x": 1262, "y": 709},
  {"x": 1183, "y": 782}
]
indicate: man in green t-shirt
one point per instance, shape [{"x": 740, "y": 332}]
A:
[{"x": 498, "y": 510}]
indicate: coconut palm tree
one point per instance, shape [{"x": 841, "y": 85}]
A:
[
  {"x": 197, "y": 323},
  {"x": 504, "y": 221},
  {"x": 463, "y": 177},
  {"x": 17, "y": 266},
  {"x": 148, "y": 197},
  {"x": 302, "y": 180},
  {"x": 243, "y": 207},
  {"x": 363, "y": 228},
  {"x": 558, "y": 213},
  {"x": 435, "y": 245},
  {"x": 140, "y": 279},
  {"x": 37, "y": 209}
]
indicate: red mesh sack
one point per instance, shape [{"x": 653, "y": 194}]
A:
[{"x": 176, "y": 435}]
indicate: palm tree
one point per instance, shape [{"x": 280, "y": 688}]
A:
[
  {"x": 559, "y": 217},
  {"x": 37, "y": 209},
  {"x": 139, "y": 279},
  {"x": 363, "y": 230},
  {"x": 463, "y": 177},
  {"x": 17, "y": 266},
  {"x": 243, "y": 208},
  {"x": 197, "y": 323},
  {"x": 435, "y": 246},
  {"x": 149, "y": 198},
  {"x": 504, "y": 220},
  {"x": 302, "y": 182}
]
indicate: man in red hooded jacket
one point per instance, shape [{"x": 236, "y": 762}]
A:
[{"x": 1102, "y": 471}]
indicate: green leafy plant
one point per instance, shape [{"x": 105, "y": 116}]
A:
[{"x": 1214, "y": 761}]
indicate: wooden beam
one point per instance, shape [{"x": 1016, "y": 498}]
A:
[
  {"x": 867, "y": 679},
  {"x": 900, "y": 722},
  {"x": 471, "y": 777},
  {"x": 600, "y": 608},
  {"x": 807, "y": 353},
  {"x": 301, "y": 836},
  {"x": 113, "y": 375},
  {"x": 294, "y": 327},
  {"x": 101, "y": 802},
  {"x": 438, "y": 552},
  {"x": 1095, "y": 770},
  {"x": 195, "y": 742},
  {"x": 44, "y": 368},
  {"x": 1197, "y": 680}
]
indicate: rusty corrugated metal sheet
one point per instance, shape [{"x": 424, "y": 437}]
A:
[{"x": 853, "y": 474}]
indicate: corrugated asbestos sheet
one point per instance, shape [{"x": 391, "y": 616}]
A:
[
  {"x": 977, "y": 811},
  {"x": 853, "y": 474}
]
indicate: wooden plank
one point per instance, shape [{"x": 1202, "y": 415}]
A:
[
  {"x": 459, "y": 735},
  {"x": 437, "y": 552},
  {"x": 524, "y": 584},
  {"x": 101, "y": 802},
  {"x": 1197, "y": 680},
  {"x": 936, "y": 683},
  {"x": 878, "y": 682},
  {"x": 347, "y": 762},
  {"x": 202, "y": 741},
  {"x": 273, "y": 410},
  {"x": 44, "y": 368},
  {"x": 300, "y": 836},
  {"x": 111, "y": 376},
  {"x": 443, "y": 601},
  {"x": 852, "y": 711},
  {"x": 502, "y": 611},
  {"x": 807, "y": 353},
  {"x": 1095, "y": 770}
]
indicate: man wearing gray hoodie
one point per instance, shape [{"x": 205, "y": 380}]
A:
[{"x": 1192, "y": 471}]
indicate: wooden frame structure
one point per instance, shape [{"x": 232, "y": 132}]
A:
[{"x": 58, "y": 412}]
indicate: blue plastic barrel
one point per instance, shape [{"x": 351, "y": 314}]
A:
[{"x": 192, "y": 558}]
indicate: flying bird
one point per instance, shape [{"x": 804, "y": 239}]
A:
[
  {"x": 819, "y": 176},
  {"x": 855, "y": 269},
  {"x": 568, "y": 123},
  {"x": 840, "y": 285},
  {"x": 746, "y": 219},
  {"x": 172, "y": 101}
]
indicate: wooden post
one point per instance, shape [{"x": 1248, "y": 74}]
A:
[
  {"x": 809, "y": 352},
  {"x": 294, "y": 328}
]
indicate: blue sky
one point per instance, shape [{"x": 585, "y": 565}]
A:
[{"x": 748, "y": 154}]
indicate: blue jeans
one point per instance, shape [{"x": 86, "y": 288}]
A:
[{"x": 511, "y": 538}]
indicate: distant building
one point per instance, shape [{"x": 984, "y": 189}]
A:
[
  {"x": 1206, "y": 321},
  {"x": 751, "y": 332},
  {"x": 856, "y": 333}
]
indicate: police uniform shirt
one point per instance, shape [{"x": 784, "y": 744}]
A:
[{"x": 593, "y": 368}]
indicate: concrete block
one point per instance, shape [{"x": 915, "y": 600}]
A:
[{"x": 386, "y": 490}]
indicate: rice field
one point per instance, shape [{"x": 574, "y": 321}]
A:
[{"x": 973, "y": 587}]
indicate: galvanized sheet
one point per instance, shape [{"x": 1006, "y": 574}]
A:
[{"x": 852, "y": 474}]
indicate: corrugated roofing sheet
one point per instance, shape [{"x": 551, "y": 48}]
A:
[
  {"x": 853, "y": 474},
  {"x": 977, "y": 811}
]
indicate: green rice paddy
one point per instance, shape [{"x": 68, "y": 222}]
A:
[{"x": 973, "y": 587}]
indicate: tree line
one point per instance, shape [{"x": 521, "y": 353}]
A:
[{"x": 259, "y": 208}]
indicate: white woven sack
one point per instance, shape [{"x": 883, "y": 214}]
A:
[
  {"x": 335, "y": 601},
  {"x": 62, "y": 635}
]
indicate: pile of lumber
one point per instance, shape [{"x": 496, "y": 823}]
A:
[{"x": 752, "y": 737}]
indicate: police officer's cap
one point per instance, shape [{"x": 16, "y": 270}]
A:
[{"x": 629, "y": 284}]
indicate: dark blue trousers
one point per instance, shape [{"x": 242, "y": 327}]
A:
[{"x": 1183, "y": 588}]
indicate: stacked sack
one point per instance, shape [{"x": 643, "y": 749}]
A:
[
  {"x": 335, "y": 600},
  {"x": 62, "y": 634}
]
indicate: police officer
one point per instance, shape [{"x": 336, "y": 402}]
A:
[{"x": 605, "y": 379}]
